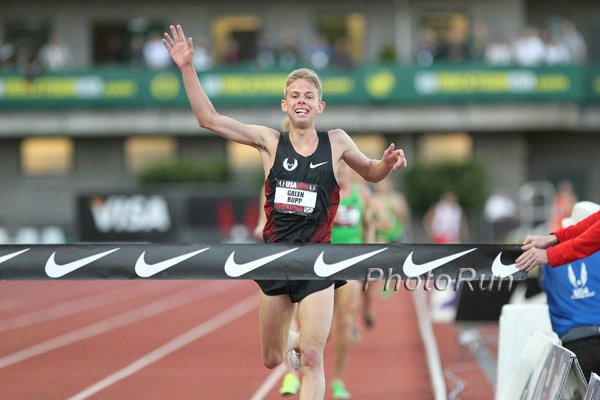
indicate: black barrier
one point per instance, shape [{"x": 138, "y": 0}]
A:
[{"x": 259, "y": 261}]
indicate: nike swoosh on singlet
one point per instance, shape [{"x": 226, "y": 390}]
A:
[
  {"x": 11, "y": 255},
  {"x": 55, "y": 270},
  {"x": 324, "y": 269},
  {"x": 145, "y": 269},
  {"x": 503, "y": 270},
  {"x": 233, "y": 269},
  {"x": 411, "y": 269},
  {"x": 313, "y": 166}
]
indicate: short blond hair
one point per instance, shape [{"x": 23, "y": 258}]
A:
[{"x": 306, "y": 74}]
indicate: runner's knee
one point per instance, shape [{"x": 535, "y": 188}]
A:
[
  {"x": 312, "y": 356},
  {"x": 271, "y": 358}
]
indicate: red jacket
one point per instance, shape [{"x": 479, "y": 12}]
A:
[{"x": 576, "y": 241}]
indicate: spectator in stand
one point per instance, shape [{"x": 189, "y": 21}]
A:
[
  {"x": 7, "y": 52},
  {"x": 498, "y": 51},
  {"x": 427, "y": 49},
  {"x": 320, "y": 52},
  {"x": 136, "y": 51},
  {"x": 455, "y": 50},
  {"x": 341, "y": 54},
  {"x": 115, "y": 50},
  {"x": 573, "y": 41},
  {"x": 231, "y": 55},
  {"x": 265, "y": 51},
  {"x": 202, "y": 57},
  {"x": 26, "y": 64},
  {"x": 479, "y": 41},
  {"x": 54, "y": 55},
  {"x": 288, "y": 55},
  {"x": 155, "y": 54},
  {"x": 529, "y": 49},
  {"x": 556, "y": 52}
]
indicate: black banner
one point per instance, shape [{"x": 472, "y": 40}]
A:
[{"x": 259, "y": 261}]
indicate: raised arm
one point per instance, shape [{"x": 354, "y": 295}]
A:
[
  {"x": 371, "y": 170},
  {"x": 182, "y": 54}
]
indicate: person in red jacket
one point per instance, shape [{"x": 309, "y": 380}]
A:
[{"x": 564, "y": 245}]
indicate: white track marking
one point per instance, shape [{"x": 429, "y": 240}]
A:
[
  {"x": 90, "y": 302},
  {"x": 231, "y": 314},
  {"x": 434, "y": 363},
  {"x": 269, "y": 383},
  {"x": 117, "y": 321}
]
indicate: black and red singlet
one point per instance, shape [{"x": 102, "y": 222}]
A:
[{"x": 302, "y": 194}]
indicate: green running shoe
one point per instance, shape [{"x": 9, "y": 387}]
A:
[
  {"x": 290, "y": 385},
  {"x": 338, "y": 390}
]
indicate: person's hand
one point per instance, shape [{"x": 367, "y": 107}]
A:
[
  {"x": 531, "y": 258},
  {"x": 394, "y": 157},
  {"x": 538, "y": 242},
  {"x": 180, "y": 49}
]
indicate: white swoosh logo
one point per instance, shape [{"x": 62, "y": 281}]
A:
[
  {"x": 234, "y": 269},
  {"x": 313, "y": 166},
  {"x": 54, "y": 270},
  {"x": 11, "y": 255},
  {"x": 411, "y": 269},
  {"x": 323, "y": 269},
  {"x": 503, "y": 270},
  {"x": 144, "y": 269}
]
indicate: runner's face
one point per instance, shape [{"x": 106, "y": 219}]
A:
[{"x": 302, "y": 103}]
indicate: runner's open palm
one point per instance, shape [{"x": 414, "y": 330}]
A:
[{"x": 180, "y": 49}]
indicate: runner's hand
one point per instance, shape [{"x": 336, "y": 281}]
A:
[
  {"x": 180, "y": 49},
  {"x": 394, "y": 157}
]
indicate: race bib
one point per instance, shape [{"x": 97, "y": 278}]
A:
[{"x": 295, "y": 197}]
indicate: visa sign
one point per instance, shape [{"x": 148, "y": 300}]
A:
[{"x": 130, "y": 213}]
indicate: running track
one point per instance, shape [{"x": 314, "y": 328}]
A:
[{"x": 192, "y": 340}]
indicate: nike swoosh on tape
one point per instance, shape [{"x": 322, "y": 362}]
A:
[
  {"x": 313, "y": 166},
  {"x": 324, "y": 269},
  {"x": 503, "y": 270},
  {"x": 411, "y": 269},
  {"x": 12, "y": 255},
  {"x": 145, "y": 269},
  {"x": 54, "y": 270},
  {"x": 234, "y": 269}
]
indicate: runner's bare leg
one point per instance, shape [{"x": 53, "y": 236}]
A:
[
  {"x": 275, "y": 313},
  {"x": 315, "y": 313}
]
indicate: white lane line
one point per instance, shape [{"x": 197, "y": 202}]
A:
[
  {"x": 231, "y": 314},
  {"x": 87, "y": 303},
  {"x": 31, "y": 294},
  {"x": 269, "y": 383},
  {"x": 434, "y": 363},
  {"x": 117, "y": 321}
]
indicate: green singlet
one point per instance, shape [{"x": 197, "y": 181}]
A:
[
  {"x": 395, "y": 233},
  {"x": 347, "y": 227}
]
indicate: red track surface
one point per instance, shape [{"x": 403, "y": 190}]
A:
[{"x": 184, "y": 340}]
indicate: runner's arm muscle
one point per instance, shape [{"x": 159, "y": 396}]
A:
[{"x": 182, "y": 51}]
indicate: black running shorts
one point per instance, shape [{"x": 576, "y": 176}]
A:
[{"x": 297, "y": 290}]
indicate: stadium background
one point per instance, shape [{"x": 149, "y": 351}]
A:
[
  {"x": 74, "y": 141},
  {"x": 93, "y": 128}
]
